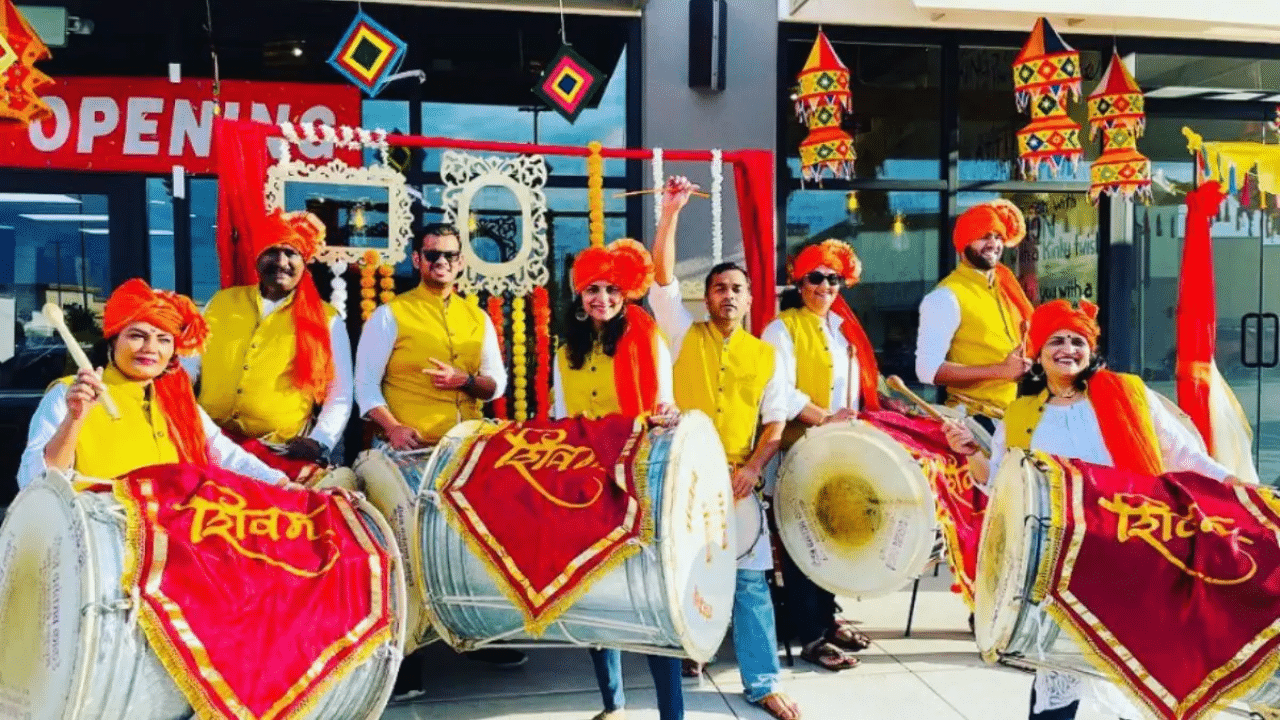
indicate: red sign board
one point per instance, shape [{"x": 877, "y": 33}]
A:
[{"x": 149, "y": 125}]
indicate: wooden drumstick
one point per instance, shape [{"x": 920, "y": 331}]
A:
[
  {"x": 895, "y": 383},
  {"x": 54, "y": 314}
]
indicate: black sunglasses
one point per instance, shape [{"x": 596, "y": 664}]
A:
[
  {"x": 433, "y": 255},
  {"x": 816, "y": 278}
]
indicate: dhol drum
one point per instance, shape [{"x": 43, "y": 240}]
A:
[
  {"x": 980, "y": 434},
  {"x": 1009, "y": 623},
  {"x": 749, "y": 523},
  {"x": 72, "y": 650},
  {"x": 391, "y": 481},
  {"x": 674, "y": 598},
  {"x": 854, "y": 510}
]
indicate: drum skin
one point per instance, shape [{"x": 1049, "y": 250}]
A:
[
  {"x": 61, "y": 551},
  {"x": 673, "y": 598},
  {"x": 854, "y": 511}
]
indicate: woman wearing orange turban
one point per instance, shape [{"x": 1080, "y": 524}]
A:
[
  {"x": 830, "y": 368},
  {"x": 614, "y": 361},
  {"x": 159, "y": 421},
  {"x": 1070, "y": 405}
]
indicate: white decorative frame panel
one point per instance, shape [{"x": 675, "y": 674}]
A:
[
  {"x": 336, "y": 172},
  {"x": 524, "y": 176}
]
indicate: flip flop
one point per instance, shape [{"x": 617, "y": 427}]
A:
[
  {"x": 779, "y": 706},
  {"x": 848, "y": 637},
  {"x": 827, "y": 656}
]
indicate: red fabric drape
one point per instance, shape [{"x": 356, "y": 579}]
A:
[
  {"x": 241, "y": 159},
  {"x": 753, "y": 182},
  {"x": 635, "y": 364},
  {"x": 1197, "y": 310}
]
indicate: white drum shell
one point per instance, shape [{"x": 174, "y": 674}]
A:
[
  {"x": 645, "y": 604},
  {"x": 109, "y": 669}
]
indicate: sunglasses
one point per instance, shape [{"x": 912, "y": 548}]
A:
[
  {"x": 817, "y": 278},
  {"x": 431, "y": 256}
]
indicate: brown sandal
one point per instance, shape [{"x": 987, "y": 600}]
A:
[
  {"x": 779, "y": 706},
  {"x": 827, "y": 656},
  {"x": 848, "y": 637}
]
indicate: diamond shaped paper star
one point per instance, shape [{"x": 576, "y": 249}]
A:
[
  {"x": 368, "y": 54},
  {"x": 569, "y": 83}
]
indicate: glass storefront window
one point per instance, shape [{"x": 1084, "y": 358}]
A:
[
  {"x": 990, "y": 121},
  {"x": 55, "y": 249},
  {"x": 897, "y": 108},
  {"x": 895, "y": 235}
]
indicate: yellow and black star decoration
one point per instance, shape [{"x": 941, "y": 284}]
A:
[
  {"x": 569, "y": 83},
  {"x": 368, "y": 54}
]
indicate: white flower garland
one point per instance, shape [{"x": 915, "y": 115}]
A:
[
  {"x": 658, "y": 181},
  {"x": 338, "y": 288},
  {"x": 717, "y": 185}
]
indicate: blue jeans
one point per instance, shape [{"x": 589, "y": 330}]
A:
[
  {"x": 666, "y": 682},
  {"x": 755, "y": 635}
]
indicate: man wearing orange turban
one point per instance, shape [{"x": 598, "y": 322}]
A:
[
  {"x": 970, "y": 337},
  {"x": 277, "y": 351},
  {"x": 159, "y": 421}
]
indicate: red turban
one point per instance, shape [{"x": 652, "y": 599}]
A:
[
  {"x": 624, "y": 263},
  {"x": 1060, "y": 315},
  {"x": 135, "y": 301},
  {"x": 840, "y": 257},
  {"x": 834, "y": 254},
  {"x": 313, "y": 346},
  {"x": 998, "y": 216}
]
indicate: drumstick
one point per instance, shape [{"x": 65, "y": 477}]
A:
[
  {"x": 895, "y": 383},
  {"x": 54, "y": 315},
  {"x": 650, "y": 191}
]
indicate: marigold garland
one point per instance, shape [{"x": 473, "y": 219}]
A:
[
  {"x": 495, "y": 316},
  {"x": 595, "y": 194},
  {"x": 519, "y": 360},
  {"x": 388, "y": 283},
  {"x": 542, "y": 350},
  {"x": 369, "y": 265}
]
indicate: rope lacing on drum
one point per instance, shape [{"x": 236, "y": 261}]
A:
[
  {"x": 108, "y": 513},
  {"x": 432, "y": 497},
  {"x": 123, "y": 604}
]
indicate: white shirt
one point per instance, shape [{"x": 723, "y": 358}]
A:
[
  {"x": 336, "y": 410},
  {"x": 52, "y": 411},
  {"x": 842, "y": 366},
  {"x": 939, "y": 321},
  {"x": 1072, "y": 431},
  {"x": 665, "y": 394},
  {"x": 674, "y": 321},
  {"x": 378, "y": 339}
]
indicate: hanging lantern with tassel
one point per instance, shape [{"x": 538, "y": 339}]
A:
[
  {"x": 1045, "y": 75},
  {"x": 1117, "y": 113},
  {"x": 821, "y": 104}
]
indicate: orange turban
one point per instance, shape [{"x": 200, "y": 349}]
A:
[
  {"x": 313, "y": 346},
  {"x": 834, "y": 254},
  {"x": 1060, "y": 315},
  {"x": 300, "y": 230},
  {"x": 624, "y": 263},
  {"x": 998, "y": 216},
  {"x": 135, "y": 301},
  {"x": 840, "y": 257}
]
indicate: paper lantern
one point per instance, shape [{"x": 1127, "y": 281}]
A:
[
  {"x": 1117, "y": 113},
  {"x": 821, "y": 103},
  {"x": 569, "y": 83},
  {"x": 368, "y": 54},
  {"x": 1046, "y": 73},
  {"x": 20, "y": 49}
]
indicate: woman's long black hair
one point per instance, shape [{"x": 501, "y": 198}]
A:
[
  {"x": 580, "y": 333},
  {"x": 1034, "y": 381}
]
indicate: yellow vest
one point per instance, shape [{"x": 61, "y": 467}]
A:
[
  {"x": 428, "y": 327},
  {"x": 1023, "y": 414},
  {"x": 724, "y": 378},
  {"x": 109, "y": 448},
  {"x": 589, "y": 391},
  {"x": 815, "y": 376},
  {"x": 988, "y": 332},
  {"x": 246, "y": 373}
]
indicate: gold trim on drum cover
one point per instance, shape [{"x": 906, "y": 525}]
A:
[
  {"x": 481, "y": 541},
  {"x": 171, "y": 657},
  {"x": 1094, "y": 652}
]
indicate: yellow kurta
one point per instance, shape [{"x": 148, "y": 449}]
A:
[
  {"x": 988, "y": 332},
  {"x": 427, "y": 327},
  {"x": 725, "y": 378},
  {"x": 589, "y": 391},
  {"x": 109, "y": 448},
  {"x": 815, "y": 375},
  {"x": 246, "y": 371}
]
